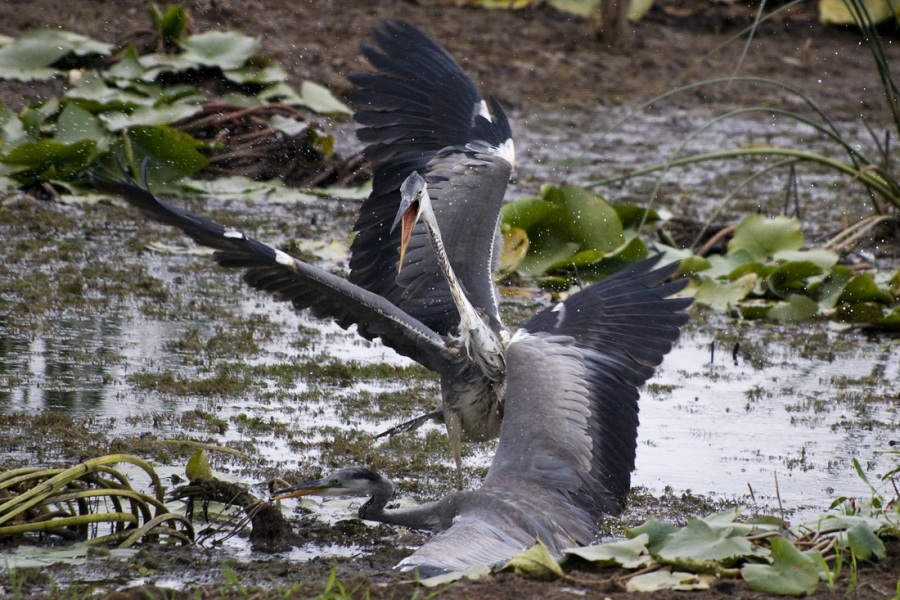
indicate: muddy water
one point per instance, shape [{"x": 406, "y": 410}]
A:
[{"x": 795, "y": 403}]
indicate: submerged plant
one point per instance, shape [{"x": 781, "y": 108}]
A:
[{"x": 75, "y": 503}]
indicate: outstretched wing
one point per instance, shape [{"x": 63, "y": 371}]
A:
[
  {"x": 573, "y": 372},
  {"x": 420, "y": 112},
  {"x": 289, "y": 279}
]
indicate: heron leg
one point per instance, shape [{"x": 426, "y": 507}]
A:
[
  {"x": 413, "y": 424},
  {"x": 454, "y": 432}
]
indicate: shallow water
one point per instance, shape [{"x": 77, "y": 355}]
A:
[{"x": 798, "y": 404}]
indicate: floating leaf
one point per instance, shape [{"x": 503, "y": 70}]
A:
[
  {"x": 668, "y": 580},
  {"x": 797, "y": 308},
  {"x": 630, "y": 554},
  {"x": 699, "y": 541},
  {"x": 863, "y": 288},
  {"x": 49, "y": 159},
  {"x": 29, "y": 56},
  {"x": 474, "y": 573},
  {"x": 536, "y": 562},
  {"x": 721, "y": 296},
  {"x": 149, "y": 115},
  {"x": 321, "y": 100},
  {"x": 515, "y": 247},
  {"x": 265, "y": 76},
  {"x": 791, "y": 278},
  {"x": 223, "y": 49},
  {"x": 830, "y": 288},
  {"x": 761, "y": 237},
  {"x": 657, "y": 531},
  {"x": 864, "y": 543},
  {"x": 75, "y": 124},
  {"x": 173, "y": 154},
  {"x": 861, "y": 312},
  {"x": 791, "y": 573}
]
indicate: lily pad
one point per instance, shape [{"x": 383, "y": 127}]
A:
[
  {"x": 630, "y": 554},
  {"x": 721, "y": 296},
  {"x": 698, "y": 541},
  {"x": 536, "y": 562},
  {"x": 30, "y": 55},
  {"x": 668, "y": 580},
  {"x": 792, "y": 573},
  {"x": 762, "y": 237},
  {"x": 224, "y": 49},
  {"x": 796, "y": 308}
]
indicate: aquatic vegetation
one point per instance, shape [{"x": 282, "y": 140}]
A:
[
  {"x": 151, "y": 98},
  {"x": 74, "y": 503}
]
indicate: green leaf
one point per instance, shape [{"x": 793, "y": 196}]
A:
[
  {"x": 592, "y": 222},
  {"x": 630, "y": 554},
  {"x": 198, "y": 466},
  {"x": 631, "y": 215},
  {"x": 75, "y": 124},
  {"x": 791, "y": 278},
  {"x": 527, "y": 213},
  {"x": 149, "y": 115},
  {"x": 797, "y": 308},
  {"x": 173, "y": 154},
  {"x": 761, "y": 237},
  {"x": 824, "y": 259},
  {"x": 698, "y": 541},
  {"x": 224, "y": 49},
  {"x": 864, "y": 544},
  {"x": 536, "y": 562},
  {"x": 474, "y": 573},
  {"x": 515, "y": 247},
  {"x": 48, "y": 159},
  {"x": 172, "y": 25},
  {"x": 29, "y": 56},
  {"x": 829, "y": 289},
  {"x": 321, "y": 100},
  {"x": 863, "y": 288},
  {"x": 720, "y": 296},
  {"x": 657, "y": 531},
  {"x": 861, "y": 312},
  {"x": 266, "y": 76},
  {"x": 668, "y": 580},
  {"x": 792, "y": 573}
]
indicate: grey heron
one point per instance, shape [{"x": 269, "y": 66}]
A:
[
  {"x": 568, "y": 437},
  {"x": 420, "y": 113}
]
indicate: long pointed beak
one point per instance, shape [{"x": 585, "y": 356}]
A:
[
  {"x": 307, "y": 488},
  {"x": 407, "y": 219}
]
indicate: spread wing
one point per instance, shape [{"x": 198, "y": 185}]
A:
[
  {"x": 420, "y": 112},
  {"x": 288, "y": 279},
  {"x": 573, "y": 372}
]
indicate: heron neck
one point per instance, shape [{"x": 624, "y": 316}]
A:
[
  {"x": 432, "y": 516},
  {"x": 468, "y": 317}
]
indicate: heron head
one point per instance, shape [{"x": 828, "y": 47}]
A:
[
  {"x": 351, "y": 481},
  {"x": 413, "y": 192}
]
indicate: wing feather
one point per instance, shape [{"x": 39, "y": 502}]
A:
[
  {"x": 421, "y": 112},
  {"x": 288, "y": 279}
]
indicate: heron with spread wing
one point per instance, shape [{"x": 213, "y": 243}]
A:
[{"x": 420, "y": 113}]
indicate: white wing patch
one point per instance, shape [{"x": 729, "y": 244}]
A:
[
  {"x": 482, "y": 109},
  {"x": 506, "y": 151},
  {"x": 233, "y": 234},
  {"x": 560, "y": 309},
  {"x": 285, "y": 259}
]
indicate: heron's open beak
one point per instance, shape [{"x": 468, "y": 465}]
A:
[
  {"x": 307, "y": 488},
  {"x": 407, "y": 220}
]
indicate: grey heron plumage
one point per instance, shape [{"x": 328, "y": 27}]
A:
[
  {"x": 568, "y": 437},
  {"x": 563, "y": 396},
  {"x": 419, "y": 113}
]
